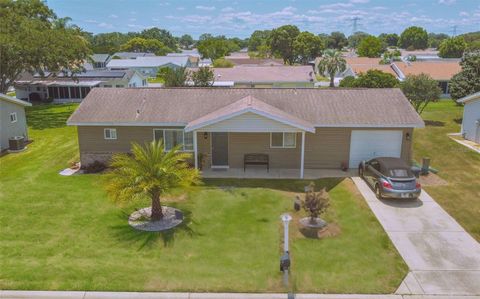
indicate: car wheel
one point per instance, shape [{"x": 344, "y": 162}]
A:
[{"x": 378, "y": 192}]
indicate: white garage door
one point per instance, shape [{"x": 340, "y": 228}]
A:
[{"x": 368, "y": 144}]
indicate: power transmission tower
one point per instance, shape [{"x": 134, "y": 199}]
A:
[
  {"x": 454, "y": 30},
  {"x": 355, "y": 24}
]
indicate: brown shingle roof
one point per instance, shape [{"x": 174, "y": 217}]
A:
[
  {"x": 364, "y": 64},
  {"x": 179, "y": 106},
  {"x": 438, "y": 70},
  {"x": 265, "y": 74}
]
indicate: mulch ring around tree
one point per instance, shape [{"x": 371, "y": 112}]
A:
[{"x": 140, "y": 219}]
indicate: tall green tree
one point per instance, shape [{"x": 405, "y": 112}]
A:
[
  {"x": 32, "y": 39},
  {"x": 216, "y": 47},
  {"x": 257, "y": 39},
  {"x": 149, "y": 173},
  {"x": 468, "y": 80},
  {"x": 186, "y": 41},
  {"x": 355, "y": 39},
  {"x": 108, "y": 42},
  {"x": 389, "y": 39},
  {"x": 336, "y": 40},
  {"x": 370, "y": 46},
  {"x": 281, "y": 42},
  {"x": 138, "y": 44},
  {"x": 307, "y": 46},
  {"x": 413, "y": 38},
  {"x": 452, "y": 47},
  {"x": 162, "y": 35},
  {"x": 176, "y": 77},
  {"x": 420, "y": 90},
  {"x": 203, "y": 77},
  {"x": 331, "y": 63},
  {"x": 434, "y": 39},
  {"x": 371, "y": 79}
]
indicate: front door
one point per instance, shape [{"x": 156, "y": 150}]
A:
[{"x": 219, "y": 149}]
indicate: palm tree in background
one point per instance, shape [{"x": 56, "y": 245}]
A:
[
  {"x": 331, "y": 63},
  {"x": 149, "y": 172}
]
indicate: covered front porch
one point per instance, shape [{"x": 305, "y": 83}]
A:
[{"x": 224, "y": 139}]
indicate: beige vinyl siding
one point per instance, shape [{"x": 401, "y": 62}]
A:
[
  {"x": 327, "y": 148},
  {"x": 245, "y": 143},
  {"x": 249, "y": 122}
]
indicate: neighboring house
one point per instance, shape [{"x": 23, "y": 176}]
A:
[
  {"x": 12, "y": 120},
  {"x": 265, "y": 77},
  {"x": 440, "y": 70},
  {"x": 99, "y": 61},
  {"x": 131, "y": 55},
  {"x": 471, "y": 117},
  {"x": 149, "y": 66},
  {"x": 357, "y": 65},
  {"x": 65, "y": 88},
  {"x": 297, "y": 128}
]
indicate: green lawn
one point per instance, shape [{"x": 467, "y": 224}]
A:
[
  {"x": 62, "y": 233},
  {"x": 458, "y": 165},
  {"x": 156, "y": 80}
]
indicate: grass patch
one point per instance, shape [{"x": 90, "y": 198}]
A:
[
  {"x": 62, "y": 233},
  {"x": 156, "y": 80},
  {"x": 457, "y": 164}
]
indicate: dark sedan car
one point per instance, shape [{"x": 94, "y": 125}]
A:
[{"x": 390, "y": 178}]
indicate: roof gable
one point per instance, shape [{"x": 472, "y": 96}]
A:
[
  {"x": 250, "y": 105},
  {"x": 13, "y": 100}
]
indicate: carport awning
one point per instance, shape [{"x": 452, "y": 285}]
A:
[{"x": 250, "y": 104}]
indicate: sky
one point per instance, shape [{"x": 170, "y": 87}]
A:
[{"x": 241, "y": 17}]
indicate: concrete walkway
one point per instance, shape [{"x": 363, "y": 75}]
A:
[
  {"x": 442, "y": 257},
  {"x": 147, "y": 295}
]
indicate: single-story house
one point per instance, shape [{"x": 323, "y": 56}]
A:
[
  {"x": 67, "y": 88},
  {"x": 149, "y": 65},
  {"x": 12, "y": 120},
  {"x": 265, "y": 77},
  {"x": 440, "y": 70},
  {"x": 295, "y": 128},
  {"x": 471, "y": 117}
]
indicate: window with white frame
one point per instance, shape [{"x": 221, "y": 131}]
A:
[
  {"x": 13, "y": 117},
  {"x": 110, "y": 134},
  {"x": 283, "y": 140},
  {"x": 174, "y": 137}
]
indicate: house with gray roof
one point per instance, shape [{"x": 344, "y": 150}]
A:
[
  {"x": 13, "y": 122},
  {"x": 69, "y": 87},
  {"x": 471, "y": 117},
  {"x": 287, "y": 129},
  {"x": 149, "y": 65}
]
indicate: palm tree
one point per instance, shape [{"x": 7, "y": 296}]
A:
[
  {"x": 331, "y": 63},
  {"x": 149, "y": 172}
]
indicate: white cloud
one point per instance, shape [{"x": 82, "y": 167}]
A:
[
  {"x": 208, "y": 8},
  {"x": 227, "y": 9},
  {"x": 180, "y": 8},
  {"x": 447, "y": 2},
  {"x": 359, "y": 1},
  {"x": 464, "y": 14},
  {"x": 113, "y": 16}
]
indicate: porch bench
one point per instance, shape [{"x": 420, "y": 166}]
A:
[{"x": 256, "y": 159}]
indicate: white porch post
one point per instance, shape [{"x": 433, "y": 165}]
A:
[
  {"x": 302, "y": 155},
  {"x": 195, "y": 150}
]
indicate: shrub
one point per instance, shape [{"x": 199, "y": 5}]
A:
[{"x": 222, "y": 62}]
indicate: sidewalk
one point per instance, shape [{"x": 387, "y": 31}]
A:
[{"x": 138, "y": 295}]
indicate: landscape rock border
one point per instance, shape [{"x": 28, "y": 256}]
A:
[{"x": 171, "y": 218}]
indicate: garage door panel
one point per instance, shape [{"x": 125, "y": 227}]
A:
[{"x": 368, "y": 144}]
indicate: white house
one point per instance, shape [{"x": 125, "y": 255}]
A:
[
  {"x": 67, "y": 88},
  {"x": 471, "y": 117}
]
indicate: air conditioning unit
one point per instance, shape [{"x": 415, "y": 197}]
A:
[{"x": 16, "y": 143}]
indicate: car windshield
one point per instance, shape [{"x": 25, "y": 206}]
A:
[{"x": 399, "y": 173}]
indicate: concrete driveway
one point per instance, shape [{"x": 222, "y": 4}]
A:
[{"x": 442, "y": 257}]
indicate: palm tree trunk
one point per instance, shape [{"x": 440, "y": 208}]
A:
[
  {"x": 332, "y": 81},
  {"x": 157, "y": 213}
]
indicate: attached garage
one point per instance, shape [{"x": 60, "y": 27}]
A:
[{"x": 368, "y": 144}]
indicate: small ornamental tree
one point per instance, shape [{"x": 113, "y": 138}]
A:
[
  {"x": 149, "y": 172},
  {"x": 203, "y": 77},
  {"x": 420, "y": 90},
  {"x": 176, "y": 77},
  {"x": 375, "y": 79},
  {"x": 315, "y": 203}
]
